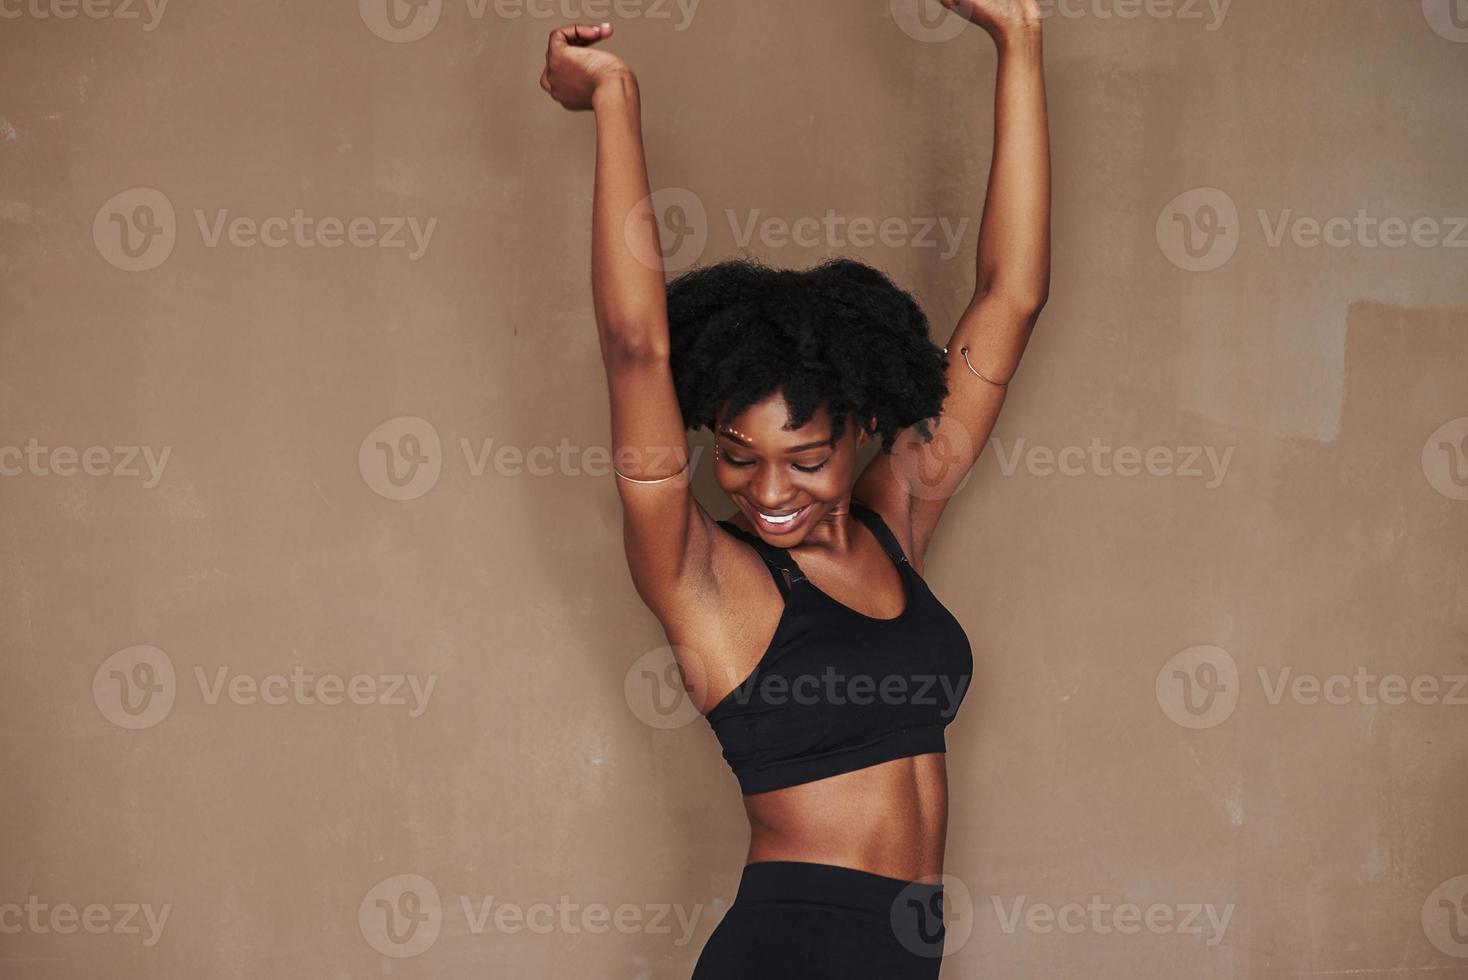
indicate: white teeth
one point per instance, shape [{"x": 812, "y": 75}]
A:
[{"x": 780, "y": 520}]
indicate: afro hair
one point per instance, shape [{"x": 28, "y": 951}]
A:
[{"x": 840, "y": 334}]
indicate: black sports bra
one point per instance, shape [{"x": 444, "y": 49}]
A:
[{"x": 837, "y": 690}]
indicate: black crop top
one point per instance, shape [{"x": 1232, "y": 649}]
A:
[{"x": 837, "y": 690}]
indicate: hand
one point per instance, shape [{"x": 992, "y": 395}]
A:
[
  {"x": 1000, "y": 18},
  {"x": 573, "y": 70}
]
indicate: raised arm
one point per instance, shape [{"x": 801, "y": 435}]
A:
[
  {"x": 663, "y": 525},
  {"x": 1011, "y": 284}
]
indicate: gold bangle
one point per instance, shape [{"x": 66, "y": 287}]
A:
[
  {"x": 661, "y": 479},
  {"x": 964, "y": 351}
]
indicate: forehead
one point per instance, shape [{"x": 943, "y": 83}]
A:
[{"x": 767, "y": 422}]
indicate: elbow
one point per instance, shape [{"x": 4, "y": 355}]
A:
[
  {"x": 1022, "y": 303},
  {"x": 632, "y": 347},
  {"x": 1030, "y": 303},
  {"x": 1037, "y": 301}
]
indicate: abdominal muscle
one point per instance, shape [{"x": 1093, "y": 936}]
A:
[{"x": 889, "y": 819}]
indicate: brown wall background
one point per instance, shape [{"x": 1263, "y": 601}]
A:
[{"x": 331, "y": 501}]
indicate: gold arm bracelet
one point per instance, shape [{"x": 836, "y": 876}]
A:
[
  {"x": 661, "y": 479},
  {"x": 964, "y": 351}
]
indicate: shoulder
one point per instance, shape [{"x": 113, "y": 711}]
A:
[{"x": 896, "y": 514}]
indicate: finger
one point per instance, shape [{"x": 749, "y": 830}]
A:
[
  {"x": 591, "y": 33},
  {"x": 545, "y": 80},
  {"x": 578, "y": 35}
]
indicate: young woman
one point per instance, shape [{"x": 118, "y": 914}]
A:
[{"x": 803, "y": 625}]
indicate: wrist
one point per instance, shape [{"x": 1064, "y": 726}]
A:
[
  {"x": 616, "y": 85},
  {"x": 1023, "y": 38}
]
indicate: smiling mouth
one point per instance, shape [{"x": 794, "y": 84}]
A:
[{"x": 780, "y": 523}]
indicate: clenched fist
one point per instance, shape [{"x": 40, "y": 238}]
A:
[{"x": 573, "y": 70}]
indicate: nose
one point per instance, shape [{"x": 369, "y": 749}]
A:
[{"x": 768, "y": 489}]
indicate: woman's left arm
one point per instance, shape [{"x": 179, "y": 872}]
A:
[{"x": 1011, "y": 286}]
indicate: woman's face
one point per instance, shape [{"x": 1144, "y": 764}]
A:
[{"x": 785, "y": 480}]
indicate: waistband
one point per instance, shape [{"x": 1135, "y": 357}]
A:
[{"x": 907, "y": 906}]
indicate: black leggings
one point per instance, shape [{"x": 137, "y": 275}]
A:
[{"x": 793, "y": 919}]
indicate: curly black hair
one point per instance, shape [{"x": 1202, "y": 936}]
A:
[{"x": 840, "y": 334}]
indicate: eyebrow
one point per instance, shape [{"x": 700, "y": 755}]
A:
[{"x": 821, "y": 444}]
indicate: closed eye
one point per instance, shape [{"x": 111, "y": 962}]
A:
[{"x": 741, "y": 463}]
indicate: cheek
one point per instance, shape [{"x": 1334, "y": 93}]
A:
[
  {"x": 832, "y": 481},
  {"x": 829, "y": 483}
]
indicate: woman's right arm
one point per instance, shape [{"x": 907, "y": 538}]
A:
[{"x": 667, "y": 535}]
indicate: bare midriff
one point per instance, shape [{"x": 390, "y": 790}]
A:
[{"x": 890, "y": 819}]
